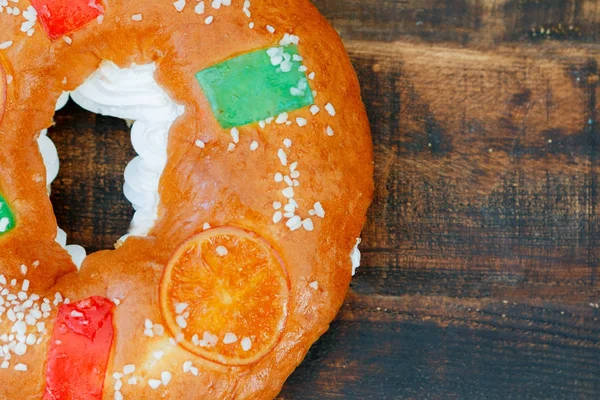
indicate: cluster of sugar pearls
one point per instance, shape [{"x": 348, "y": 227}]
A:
[
  {"x": 152, "y": 329},
  {"x": 216, "y": 4},
  {"x": 23, "y": 317},
  {"x": 29, "y": 15},
  {"x": 200, "y": 7},
  {"x": 128, "y": 377},
  {"x": 246, "y": 11},
  {"x": 283, "y": 62},
  {"x": 246, "y": 8},
  {"x": 182, "y": 314},
  {"x": 291, "y": 180},
  {"x": 210, "y": 340}
]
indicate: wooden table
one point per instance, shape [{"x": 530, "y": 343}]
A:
[{"x": 480, "y": 276}]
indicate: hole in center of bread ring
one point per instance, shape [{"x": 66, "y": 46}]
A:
[
  {"x": 132, "y": 94},
  {"x": 224, "y": 296},
  {"x": 87, "y": 194}
]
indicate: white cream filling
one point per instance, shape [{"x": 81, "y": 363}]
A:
[
  {"x": 132, "y": 94},
  {"x": 355, "y": 256}
]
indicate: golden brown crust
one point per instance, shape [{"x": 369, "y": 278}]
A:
[{"x": 198, "y": 185}]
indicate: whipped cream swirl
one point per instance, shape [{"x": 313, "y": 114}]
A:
[
  {"x": 355, "y": 257},
  {"x": 132, "y": 94}
]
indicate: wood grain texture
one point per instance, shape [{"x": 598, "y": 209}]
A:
[
  {"x": 480, "y": 276},
  {"x": 88, "y": 195}
]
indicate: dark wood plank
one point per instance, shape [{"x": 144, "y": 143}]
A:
[
  {"x": 389, "y": 20},
  {"x": 492, "y": 178},
  {"x": 464, "y": 22},
  {"x": 417, "y": 347},
  {"x": 88, "y": 193}
]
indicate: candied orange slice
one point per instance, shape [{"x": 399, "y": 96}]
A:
[{"x": 224, "y": 296}]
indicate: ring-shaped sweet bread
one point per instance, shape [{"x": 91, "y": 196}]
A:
[{"x": 251, "y": 187}]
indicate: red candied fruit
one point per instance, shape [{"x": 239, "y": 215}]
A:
[
  {"x": 79, "y": 350},
  {"x": 61, "y": 17}
]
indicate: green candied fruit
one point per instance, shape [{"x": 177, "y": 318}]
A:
[
  {"x": 7, "y": 218},
  {"x": 256, "y": 86}
]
